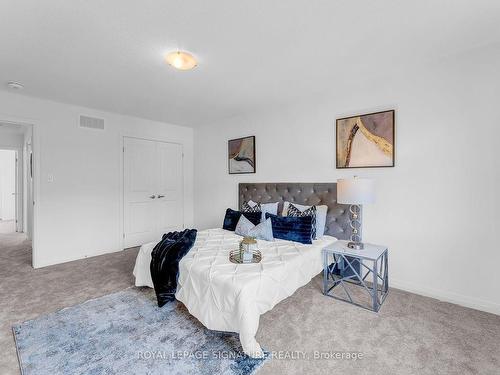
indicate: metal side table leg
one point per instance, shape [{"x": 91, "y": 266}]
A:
[
  {"x": 386, "y": 257},
  {"x": 325, "y": 272},
  {"x": 375, "y": 286}
]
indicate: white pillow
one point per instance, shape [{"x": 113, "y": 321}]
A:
[
  {"x": 321, "y": 212},
  {"x": 272, "y": 208}
]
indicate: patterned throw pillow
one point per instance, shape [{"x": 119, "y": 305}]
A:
[
  {"x": 243, "y": 227},
  {"x": 295, "y": 212},
  {"x": 245, "y": 207},
  {"x": 263, "y": 231}
]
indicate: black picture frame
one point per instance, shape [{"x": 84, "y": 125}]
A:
[
  {"x": 253, "y": 158},
  {"x": 337, "y": 143}
]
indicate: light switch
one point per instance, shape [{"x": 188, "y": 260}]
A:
[{"x": 50, "y": 178}]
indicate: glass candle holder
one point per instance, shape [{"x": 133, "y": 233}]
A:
[{"x": 247, "y": 246}]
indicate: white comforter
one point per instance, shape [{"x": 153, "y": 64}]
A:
[{"x": 231, "y": 297}]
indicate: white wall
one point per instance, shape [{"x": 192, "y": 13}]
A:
[
  {"x": 79, "y": 214},
  {"x": 7, "y": 184},
  {"x": 9, "y": 140},
  {"x": 437, "y": 210}
]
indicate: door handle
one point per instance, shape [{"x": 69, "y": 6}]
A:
[
  {"x": 161, "y": 196},
  {"x": 152, "y": 196}
]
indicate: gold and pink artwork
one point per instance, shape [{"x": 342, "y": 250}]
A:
[{"x": 366, "y": 141}]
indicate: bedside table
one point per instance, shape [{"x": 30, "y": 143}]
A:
[{"x": 370, "y": 272}]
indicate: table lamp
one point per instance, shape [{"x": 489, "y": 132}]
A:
[{"x": 355, "y": 192}]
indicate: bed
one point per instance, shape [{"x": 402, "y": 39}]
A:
[{"x": 227, "y": 297}]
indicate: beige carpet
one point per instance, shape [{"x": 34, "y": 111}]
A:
[{"x": 410, "y": 335}]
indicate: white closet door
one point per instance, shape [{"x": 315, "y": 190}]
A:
[
  {"x": 140, "y": 181},
  {"x": 170, "y": 188},
  {"x": 153, "y": 190}
]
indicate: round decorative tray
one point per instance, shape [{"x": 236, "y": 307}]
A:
[{"x": 235, "y": 257}]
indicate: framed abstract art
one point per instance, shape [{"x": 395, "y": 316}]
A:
[
  {"x": 366, "y": 141},
  {"x": 241, "y": 155}
]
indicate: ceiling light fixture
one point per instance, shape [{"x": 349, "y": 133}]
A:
[
  {"x": 181, "y": 60},
  {"x": 15, "y": 85}
]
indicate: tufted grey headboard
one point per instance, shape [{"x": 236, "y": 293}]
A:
[{"x": 337, "y": 219}]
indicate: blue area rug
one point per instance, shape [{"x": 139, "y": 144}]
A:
[{"x": 127, "y": 333}]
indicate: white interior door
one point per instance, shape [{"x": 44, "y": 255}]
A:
[
  {"x": 169, "y": 192},
  {"x": 139, "y": 193},
  {"x": 153, "y": 200}
]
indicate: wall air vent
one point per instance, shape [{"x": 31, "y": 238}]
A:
[{"x": 91, "y": 122}]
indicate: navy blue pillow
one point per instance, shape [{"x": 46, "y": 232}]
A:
[
  {"x": 232, "y": 217},
  {"x": 291, "y": 228}
]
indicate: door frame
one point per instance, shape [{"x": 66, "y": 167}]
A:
[
  {"x": 35, "y": 142},
  {"x": 122, "y": 182}
]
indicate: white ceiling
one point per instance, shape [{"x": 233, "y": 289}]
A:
[{"x": 253, "y": 54}]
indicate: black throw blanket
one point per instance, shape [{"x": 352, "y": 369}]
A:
[{"x": 165, "y": 259}]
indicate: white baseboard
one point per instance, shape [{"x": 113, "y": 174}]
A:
[
  {"x": 445, "y": 296},
  {"x": 52, "y": 262}
]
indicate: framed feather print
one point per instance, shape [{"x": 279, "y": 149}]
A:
[
  {"x": 241, "y": 155},
  {"x": 366, "y": 141}
]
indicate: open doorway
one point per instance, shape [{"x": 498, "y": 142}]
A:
[
  {"x": 16, "y": 190},
  {"x": 8, "y": 191}
]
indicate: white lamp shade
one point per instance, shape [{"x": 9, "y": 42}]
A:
[{"x": 355, "y": 191}]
